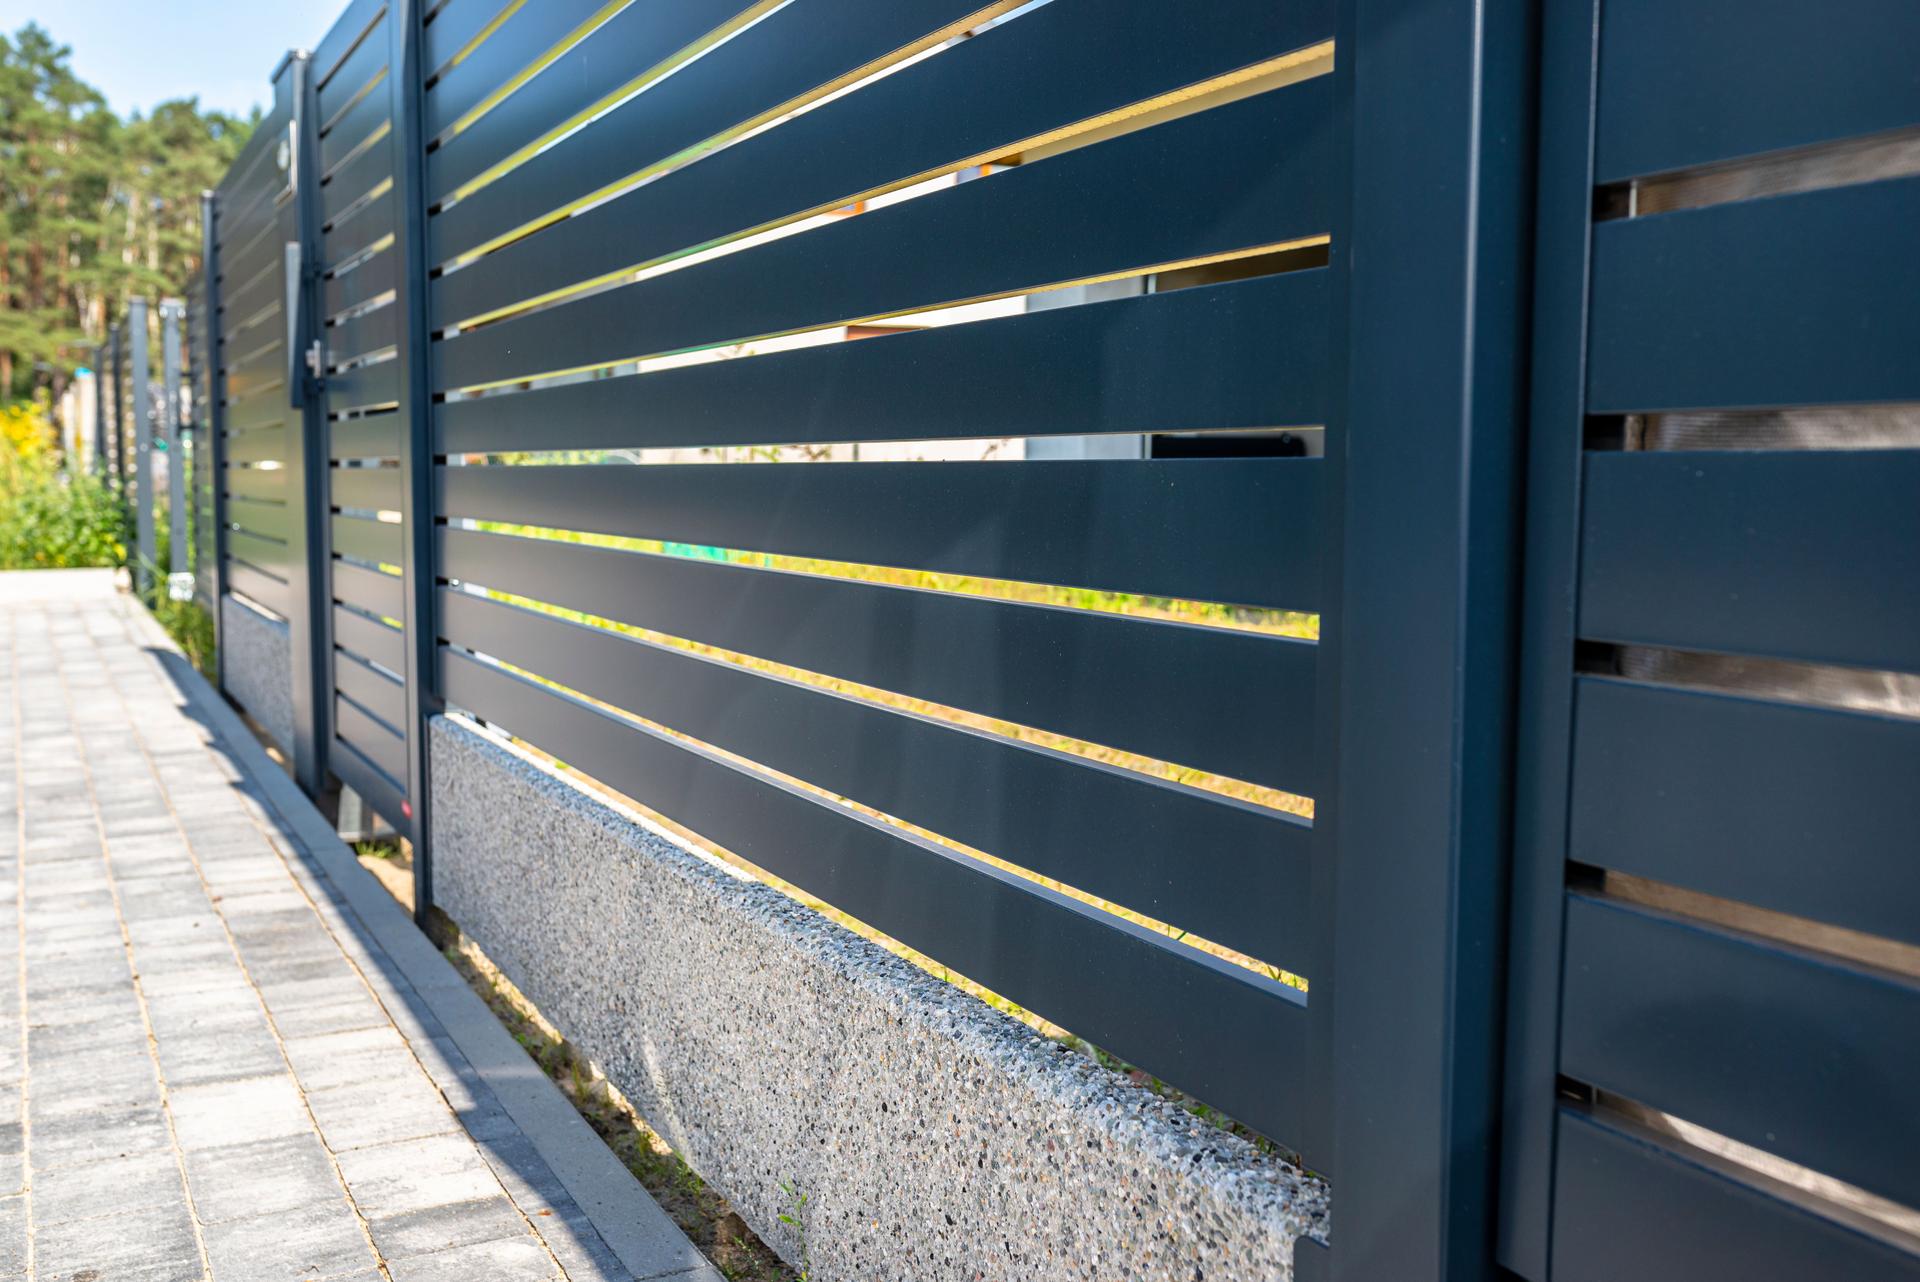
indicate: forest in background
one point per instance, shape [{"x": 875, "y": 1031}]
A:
[{"x": 93, "y": 209}]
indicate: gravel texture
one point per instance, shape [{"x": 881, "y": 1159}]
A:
[
  {"x": 257, "y": 667},
  {"x": 931, "y": 1136}
]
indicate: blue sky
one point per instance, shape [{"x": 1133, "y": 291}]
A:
[{"x": 140, "y": 52}]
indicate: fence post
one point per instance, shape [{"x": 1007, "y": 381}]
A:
[
  {"x": 415, "y": 352},
  {"x": 210, "y": 450},
  {"x": 116, "y": 431},
  {"x": 170, "y": 313},
  {"x": 309, "y": 625},
  {"x": 1437, "y": 332},
  {"x": 102, "y": 354},
  {"x": 141, "y": 394}
]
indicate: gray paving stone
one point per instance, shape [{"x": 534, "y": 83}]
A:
[
  {"x": 583, "y": 1254},
  {"x": 246, "y": 1180},
  {"x": 13, "y": 1236},
  {"x": 315, "y": 1240},
  {"x": 441, "y": 1228},
  {"x": 68, "y": 1139},
  {"x": 501, "y": 1260},
  {"x": 241, "y": 1112},
  {"x": 155, "y": 1244},
  {"x": 97, "y": 1082},
  {"x": 381, "y": 1112},
  {"x": 344, "y": 1015},
  {"x": 413, "y": 1175},
  {"x": 222, "y": 1055},
  {"x": 114, "y": 1186},
  {"x": 340, "y": 1059}
]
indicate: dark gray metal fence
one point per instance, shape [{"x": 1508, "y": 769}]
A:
[{"x": 476, "y": 264}]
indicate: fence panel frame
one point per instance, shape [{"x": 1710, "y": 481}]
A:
[
  {"x": 1427, "y": 625},
  {"x": 211, "y": 452}
]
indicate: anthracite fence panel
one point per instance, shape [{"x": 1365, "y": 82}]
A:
[
  {"x": 604, "y": 372},
  {"x": 352, "y": 111},
  {"x": 1720, "y": 708}
]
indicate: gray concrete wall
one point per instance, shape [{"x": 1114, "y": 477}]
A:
[
  {"x": 256, "y": 668},
  {"x": 934, "y": 1137}
]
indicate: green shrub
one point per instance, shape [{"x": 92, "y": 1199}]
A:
[{"x": 49, "y": 517}]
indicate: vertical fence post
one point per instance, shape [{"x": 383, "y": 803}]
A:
[
  {"x": 102, "y": 355},
  {"x": 210, "y": 450},
  {"x": 1437, "y": 330},
  {"x": 306, "y": 457},
  {"x": 140, "y": 393},
  {"x": 170, "y": 314},
  {"x": 116, "y": 434},
  {"x": 415, "y": 352}
]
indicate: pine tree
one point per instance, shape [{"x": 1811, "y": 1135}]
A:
[{"x": 93, "y": 209}]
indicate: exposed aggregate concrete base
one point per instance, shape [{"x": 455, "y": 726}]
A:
[
  {"x": 256, "y": 667},
  {"x": 934, "y": 1138}
]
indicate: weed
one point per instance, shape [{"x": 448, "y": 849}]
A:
[{"x": 794, "y": 1218}]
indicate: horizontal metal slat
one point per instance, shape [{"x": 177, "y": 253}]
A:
[
  {"x": 1239, "y": 876},
  {"x": 527, "y": 34},
  {"x": 1806, "y": 556},
  {"x": 344, "y": 79},
  {"x": 265, "y": 407},
  {"x": 373, "y": 489},
  {"x": 1189, "y": 1019},
  {"x": 256, "y": 585},
  {"x": 1249, "y": 174},
  {"x": 371, "y": 639},
  {"x": 354, "y": 180},
  {"x": 269, "y": 518},
  {"x": 260, "y": 370},
  {"x": 452, "y": 27},
  {"x": 259, "y": 551},
  {"x": 352, "y": 129},
  {"x": 385, "y": 795},
  {"x": 1799, "y": 809},
  {"x": 377, "y": 436},
  {"x": 1169, "y": 691},
  {"x": 1795, "y": 1054},
  {"x": 351, "y": 237},
  {"x": 1709, "y": 308},
  {"x": 785, "y": 55},
  {"x": 1711, "y": 80},
  {"x": 1240, "y": 531},
  {"x": 375, "y": 741},
  {"x": 347, "y": 37},
  {"x": 1250, "y": 354},
  {"x": 364, "y": 386},
  {"x": 374, "y": 591},
  {"x": 243, "y": 176},
  {"x": 256, "y": 483},
  {"x": 364, "y": 539},
  {"x": 376, "y": 691},
  {"x": 1072, "y": 61},
  {"x": 362, "y": 283},
  {"x": 1630, "y": 1206},
  {"x": 262, "y": 445},
  {"x": 249, "y": 210},
  {"x": 263, "y": 288},
  {"x": 629, "y": 43},
  {"x": 363, "y": 335}
]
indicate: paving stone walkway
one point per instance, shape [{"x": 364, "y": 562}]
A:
[{"x": 208, "y": 1069}]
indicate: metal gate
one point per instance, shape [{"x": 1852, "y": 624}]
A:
[
  {"x": 1715, "y": 1018},
  {"x": 356, "y": 204}
]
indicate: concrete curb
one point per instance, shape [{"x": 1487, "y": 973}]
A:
[{"x": 648, "y": 1244}]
